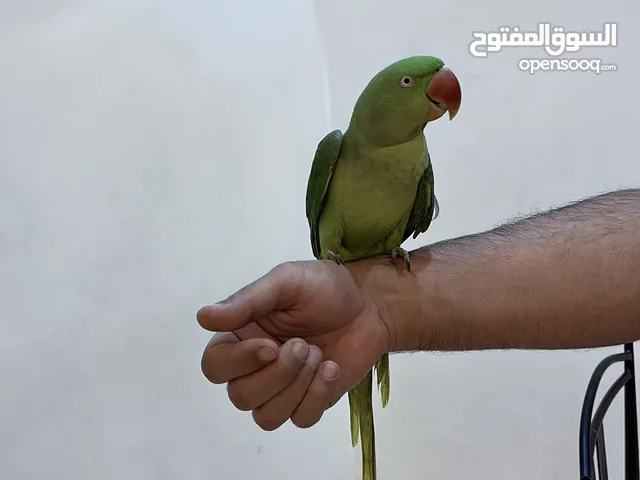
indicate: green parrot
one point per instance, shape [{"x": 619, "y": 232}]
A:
[{"x": 372, "y": 187}]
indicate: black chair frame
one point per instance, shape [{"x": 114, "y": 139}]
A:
[{"x": 591, "y": 437}]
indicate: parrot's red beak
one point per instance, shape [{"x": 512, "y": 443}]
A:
[{"x": 444, "y": 94}]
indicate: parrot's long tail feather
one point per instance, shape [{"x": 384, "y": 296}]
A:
[
  {"x": 353, "y": 416},
  {"x": 361, "y": 406},
  {"x": 382, "y": 376}
]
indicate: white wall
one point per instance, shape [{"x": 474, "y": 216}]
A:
[{"x": 153, "y": 158}]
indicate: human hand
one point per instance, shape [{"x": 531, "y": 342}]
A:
[{"x": 290, "y": 344}]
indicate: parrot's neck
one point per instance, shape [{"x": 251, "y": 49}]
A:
[
  {"x": 383, "y": 134},
  {"x": 404, "y": 163},
  {"x": 374, "y": 136}
]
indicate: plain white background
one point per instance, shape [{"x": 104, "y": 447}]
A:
[{"x": 154, "y": 157}]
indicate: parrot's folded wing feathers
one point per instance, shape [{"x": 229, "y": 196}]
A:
[
  {"x": 425, "y": 207},
  {"x": 436, "y": 208},
  {"x": 324, "y": 164}
]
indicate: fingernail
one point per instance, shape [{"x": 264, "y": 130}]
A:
[
  {"x": 300, "y": 350},
  {"x": 315, "y": 355},
  {"x": 330, "y": 371},
  {"x": 267, "y": 354}
]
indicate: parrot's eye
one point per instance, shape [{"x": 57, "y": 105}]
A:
[{"x": 406, "y": 82}]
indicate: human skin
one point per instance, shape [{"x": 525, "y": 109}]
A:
[{"x": 564, "y": 279}]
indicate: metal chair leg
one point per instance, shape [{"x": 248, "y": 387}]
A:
[{"x": 591, "y": 437}]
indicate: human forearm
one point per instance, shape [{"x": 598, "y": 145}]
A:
[{"x": 569, "y": 278}]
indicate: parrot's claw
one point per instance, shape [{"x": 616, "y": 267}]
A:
[
  {"x": 335, "y": 257},
  {"x": 399, "y": 251}
]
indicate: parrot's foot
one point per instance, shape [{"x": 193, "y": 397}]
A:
[
  {"x": 335, "y": 257},
  {"x": 399, "y": 251}
]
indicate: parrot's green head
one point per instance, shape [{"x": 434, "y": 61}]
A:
[{"x": 400, "y": 100}]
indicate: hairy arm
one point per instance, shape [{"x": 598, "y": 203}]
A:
[{"x": 568, "y": 278}]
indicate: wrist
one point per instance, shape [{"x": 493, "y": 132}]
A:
[{"x": 400, "y": 298}]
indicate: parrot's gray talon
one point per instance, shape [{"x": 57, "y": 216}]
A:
[
  {"x": 399, "y": 251},
  {"x": 335, "y": 257}
]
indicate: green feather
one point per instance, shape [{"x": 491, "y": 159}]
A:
[
  {"x": 322, "y": 168},
  {"x": 425, "y": 208},
  {"x": 382, "y": 375}
]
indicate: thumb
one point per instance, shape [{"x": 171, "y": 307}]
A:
[{"x": 250, "y": 303}]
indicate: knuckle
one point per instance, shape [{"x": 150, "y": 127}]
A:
[
  {"x": 238, "y": 396},
  {"x": 306, "y": 421},
  {"x": 266, "y": 422},
  {"x": 310, "y": 413},
  {"x": 290, "y": 276},
  {"x": 291, "y": 270},
  {"x": 284, "y": 270},
  {"x": 319, "y": 389}
]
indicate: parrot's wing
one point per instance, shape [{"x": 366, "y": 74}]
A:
[
  {"x": 322, "y": 168},
  {"x": 425, "y": 207}
]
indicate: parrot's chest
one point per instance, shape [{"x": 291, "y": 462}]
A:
[{"x": 375, "y": 195}]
